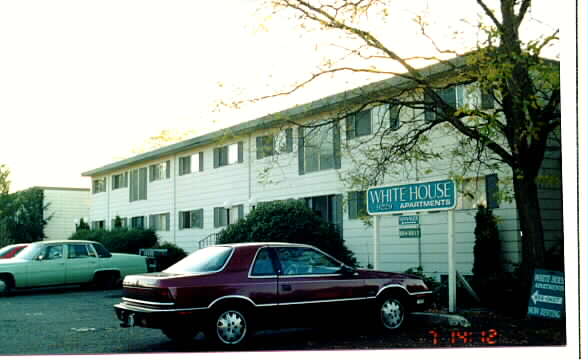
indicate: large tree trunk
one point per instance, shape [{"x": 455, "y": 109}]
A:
[{"x": 533, "y": 245}]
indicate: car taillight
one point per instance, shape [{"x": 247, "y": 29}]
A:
[{"x": 164, "y": 295}]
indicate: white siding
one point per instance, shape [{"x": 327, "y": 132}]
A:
[{"x": 66, "y": 207}]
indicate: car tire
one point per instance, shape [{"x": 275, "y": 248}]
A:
[
  {"x": 107, "y": 280},
  {"x": 180, "y": 334},
  {"x": 5, "y": 286},
  {"x": 230, "y": 327},
  {"x": 391, "y": 312}
]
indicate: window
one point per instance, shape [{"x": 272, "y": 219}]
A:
[
  {"x": 227, "y": 155},
  {"x": 191, "y": 163},
  {"x": 329, "y": 207},
  {"x": 263, "y": 265},
  {"x": 119, "y": 223},
  {"x": 52, "y": 252},
  {"x": 138, "y": 222},
  {"x": 306, "y": 261},
  {"x": 264, "y": 146},
  {"x": 159, "y": 171},
  {"x": 394, "y": 116},
  {"x": 224, "y": 216},
  {"x": 78, "y": 251},
  {"x": 359, "y": 124},
  {"x": 319, "y": 149},
  {"x": 138, "y": 185},
  {"x": 487, "y": 100},
  {"x": 478, "y": 191},
  {"x": 120, "y": 181},
  {"x": 98, "y": 185},
  {"x": 357, "y": 204},
  {"x": 192, "y": 219},
  {"x": 98, "y": 225},
  {"x": 159, "y": 222},
  {"x": 270, "y": 145},
  {"x": 452, "y": 95}
]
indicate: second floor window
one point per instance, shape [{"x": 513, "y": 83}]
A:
[
  {"x": 228, "y": 154},
  {"x": 138, "y": 184},
  {"x": 159, "y": 171},
  {"x": 120, "y": 181},
  {"x": 319, "y": 148},
  {"x": 452, "y": 95},
  {"x": 191, "y": 163},
  {"x": 359, "y": 124},
  {"x": 98, "y": 185}
]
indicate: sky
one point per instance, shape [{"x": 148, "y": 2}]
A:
[{"x": 84, "y": 82}]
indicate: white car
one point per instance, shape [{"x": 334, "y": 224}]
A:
[{"x": 64, "y": 262}]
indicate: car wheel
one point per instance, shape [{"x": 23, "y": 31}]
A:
[
  {"x": 107, "y": 280},
  {"x": 5, "y": 286},
  {"x": 391, "y": 312},
  {"x": 180, "y": 334},
  {"x": 230, "y": 327}
]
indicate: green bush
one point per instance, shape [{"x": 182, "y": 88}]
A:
[
  {"x": 174, "y": 254},
  {"x": 288, "y": 221},
  {"x": 119, "y": 240}
]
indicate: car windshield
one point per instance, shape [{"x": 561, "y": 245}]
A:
[{"x": 209, "y": 259}]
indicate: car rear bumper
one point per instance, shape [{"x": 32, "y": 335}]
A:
[{"x": 131, "y": 315}]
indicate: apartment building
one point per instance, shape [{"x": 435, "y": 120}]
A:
[{"x": 190, "y": 190}]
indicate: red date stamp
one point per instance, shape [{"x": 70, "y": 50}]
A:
[{"x": 463, "y": 337}]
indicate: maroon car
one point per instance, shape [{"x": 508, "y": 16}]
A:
[
  {"x": 10, "y": 250},
  {"x": 229, "y": 291}
]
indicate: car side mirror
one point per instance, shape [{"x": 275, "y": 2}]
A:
[{"x": 347, "y": 270}]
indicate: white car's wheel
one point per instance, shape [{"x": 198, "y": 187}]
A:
[{"x": 5, "y": 287}]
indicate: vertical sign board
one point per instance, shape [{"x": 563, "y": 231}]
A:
[{"x": 547, "y": 294}]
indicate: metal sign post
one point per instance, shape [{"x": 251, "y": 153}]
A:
[{"x": 451, "y": 275}]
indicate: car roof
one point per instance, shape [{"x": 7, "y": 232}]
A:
[
  {"x": 262, "y": 244},
  {"x": 64, "y": 242}
]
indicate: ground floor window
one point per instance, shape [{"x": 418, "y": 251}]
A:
[
  {"x": 329, "y": 207},
  {"x": 159, "y": 222},
  {"x": 191, "y": 219},
  {"x": 138, "y": 222}
]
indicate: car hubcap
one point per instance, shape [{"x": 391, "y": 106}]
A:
[
  {"x": 391, "y": 314},
  {"x": 231, "y": 327},
  {"x": 2, "y": 286}
]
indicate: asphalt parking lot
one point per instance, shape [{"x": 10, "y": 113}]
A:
[{"x": 80, "y": 321}]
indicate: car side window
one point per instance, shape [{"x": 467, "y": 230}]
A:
[
  {"x": 101, "y": 250},
  {"x": 306, "y": 261},
  {"x": 263, "y": 265},
  {"x": 77, "y": 251},
  {"x": 53, "y": 252}
]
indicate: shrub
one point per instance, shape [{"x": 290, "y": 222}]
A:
[
  {"x": 174, "y": 254},
  {"x": 119, "y": 240},
  {"x": 288, "y": 221}
]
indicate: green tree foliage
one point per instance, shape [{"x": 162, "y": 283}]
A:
[
  {"x": 4, "y": 181},
  {"x": 174, "y": 254},
  {"x": 23, "y": 216},
  {"x": 524, "y": 89},
  {"x": 487, "y": 262},
  {"x": 288, "y": 221},
  {"x": 119, "y": 240}
]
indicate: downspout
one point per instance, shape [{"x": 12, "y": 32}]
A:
[
  {"x": 249, "y": 173},
  {"x": 173, "y": 215}
]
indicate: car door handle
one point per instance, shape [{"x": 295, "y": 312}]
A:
[{"x": 287, "y": 287}]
